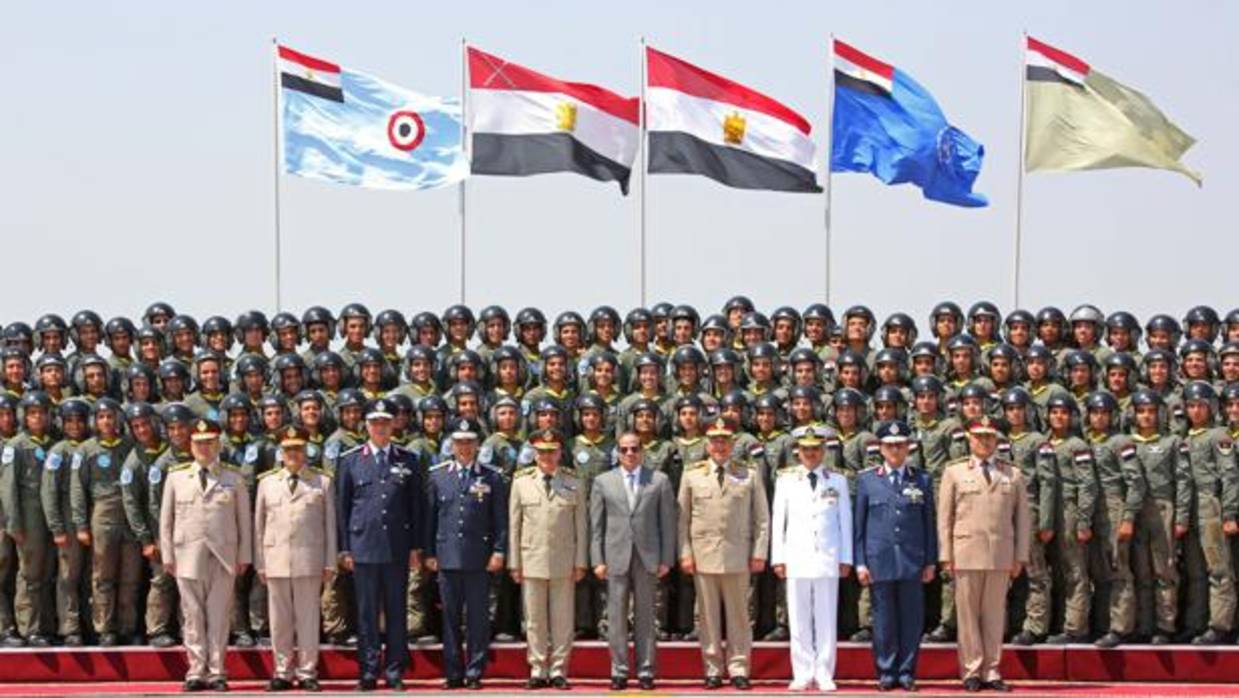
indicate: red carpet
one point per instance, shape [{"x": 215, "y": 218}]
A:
[{"x": 1054, "y": 669}]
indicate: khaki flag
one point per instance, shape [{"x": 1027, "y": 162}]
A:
[{"x": 1080, "y": 119}]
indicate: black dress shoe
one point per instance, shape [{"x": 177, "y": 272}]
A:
[
  {"x": 473, "y": 683},
  {"x": 1160, "y": 639},
  {"x": 779, "y": 634},
  {"x": 908, "y": 684},
  {"x": 741, "y": 683},
  {"x": 367, "y": 685},
  {"x": 243, "y": 640},
  {"x": 972, "y": 685},
  {"x": 886, "y": 684},
  {"x": 534, "y": 683},
  {"x": 1109, "y": 641},
  {"x": 998, "y": 685},
  {"x": 560, "y": 682},
  {"x": 1208, "y": 637},
  {"x": 310, "y": 685},
  {"x": 646, "y": 683},
  {"x": 219, "y": 685},
  {"x": 862, "y": 635},
  {"x": 619, "y": 683},
  {"x": 453, "y": 684},
  {"x": 279, "y": 685},
  {"x": 12, "y": 640},
  {"x": 194, "y": 686},
  {"x": 1066, "y": 639},
  {"x": 163, "y": 640},
  {"x": 1026, "y": 639},
  {"x": 73, "y": 640},
  {"x": 713, "y": 683},
  {"x": 396, "y": 684},
  {"x": 105, "y": 640}
]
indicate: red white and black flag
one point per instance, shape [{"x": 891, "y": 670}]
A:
[
  {"x": 526, "y": 123},
  {"x": 310, "y": 75},
  {"x": 703, "y": 123}
]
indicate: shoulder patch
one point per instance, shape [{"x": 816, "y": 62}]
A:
[
  {"x": 1184, "y": 449},
  {"x": 154, "y": 474},
  {"x": 1225, "y": 446},
  {"x": 958, "y": 434},
  {"x": 582, "y": 457},
  {"x": 332, "y": 449},
  {"x": 126, "y": 477},
  {"x": 77, "y": 461},
  {"x": 53, "y": 461},
  {"x": 832, "y": 443},
  {"x": 1084, "y": 456},
  {"x": 7, "y": 457},
  {"x": 486, "y": 454},
  {"x": 251, "y": 454}
]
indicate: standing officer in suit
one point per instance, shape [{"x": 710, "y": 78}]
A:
[
  {"x": 547, "y": 552},
  {"x": 632, "y": 545},
  {"x": 380, "y": 539},
  {"x": 724, "y": 535},
  {"x": 811, "y": 548},
  {"x": 983, "y": 530},
  {"x": 294, "y": 553},
  {"x": 896, "y": 553},
  {"x": 466, "y": 541},
  {"x": 204, "y": 538}
]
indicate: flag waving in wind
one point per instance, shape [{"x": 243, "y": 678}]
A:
[
  {"x": 703, "y": 123},
  {"x": 1080, "y": 119},
  {"x": 525, "y": 123},
  {"x": 350, "y": 128},
  {"x": 885, "y": 123}
]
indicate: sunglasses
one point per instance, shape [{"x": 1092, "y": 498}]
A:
[{"x": 629, "y": 449}]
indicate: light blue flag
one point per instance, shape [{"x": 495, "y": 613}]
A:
[{"x": 379, "y": 137}]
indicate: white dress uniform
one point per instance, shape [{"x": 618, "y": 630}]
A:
[{"x": 811, "y": 535}]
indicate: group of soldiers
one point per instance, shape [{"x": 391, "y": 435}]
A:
[{"x": 1123, "y": 431}]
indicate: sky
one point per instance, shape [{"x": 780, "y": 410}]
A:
[{"x": 137, "y": 139}]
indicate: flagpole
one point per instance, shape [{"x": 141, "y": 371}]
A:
[
  {"x": 830, "y": 118},
  {"x": 275, "y": 133},
  {"x": 641, "y": 162},
  {"x": 464, "y": 145},
  {"x": 1019, "y": 177}
]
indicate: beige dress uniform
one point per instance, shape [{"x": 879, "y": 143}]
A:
[
  {"x": 984, "y": 527},
  {"x": 722, "y": 526},
  {"x": 204, "y": 533},
  {"x": 548, "y": 539},
  {"x": 294, "y": 541}
]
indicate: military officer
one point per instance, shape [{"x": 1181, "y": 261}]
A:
[
  {"x": 811, "y": 547},
  {"x": 547, "y": 554},
  {"x": 204, "y": 538},
  {"x": 466, "y": 540},
  {"x": 983, "y": 532},
  {"x": 380, "y": 539},
  {"x": 294, "y": 553},
  {"x": 74, "y": 417},
  {"x": 724, "y": 533}
]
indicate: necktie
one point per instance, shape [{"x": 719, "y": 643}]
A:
[
  {"x": 719, "y": 472},
  {"x": 632, "y": 488},
  {"x": 985, "y": 470},
  {"x": 895, "y": 477},
  {"x": 292, "y": 482},
  {"x": 202, "y": 478},
  {"x": 380, "y": 457},
  {"x": 546, "y": 483},
  {"x": 813, "y": 480}
]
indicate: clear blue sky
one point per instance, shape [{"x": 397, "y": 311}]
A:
[{"x": 137, "y": 141}]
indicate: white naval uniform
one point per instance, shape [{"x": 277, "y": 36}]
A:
[{"x": 811, "y": 535}]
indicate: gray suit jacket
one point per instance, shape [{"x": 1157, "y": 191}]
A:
[{"x": 649, "y": 526}]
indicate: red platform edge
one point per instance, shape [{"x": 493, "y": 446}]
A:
[{"x": 676, "y": 660}]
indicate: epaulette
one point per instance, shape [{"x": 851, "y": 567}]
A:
[
  {"x": 956, "y": 461},
  {"x": 269, "y": 473},
  {"x": 493, "y": 469},
  {"x": 351, "y": 450},
  {"x": 787, "y": 470},
  {"x": 869, "y": 469},
  {"x": 438, "y": 466},
  {"x": 525, "y": 471},
  {"x": 699, "y": 465},
  {"x": 180, "y": 466}
]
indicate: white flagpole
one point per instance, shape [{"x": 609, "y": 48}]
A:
[
  {"x": 1019, "y": 177},
  {"x": 275, "y": 111},
  {"x": 464, "y": 145},
  {"x": 641, "y": 163},
  {"x": 830, "y": 118}
]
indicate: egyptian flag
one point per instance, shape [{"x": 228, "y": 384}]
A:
[
  {"x": 703, "y": 123},
  {"x": 526, "y": 123},
  {"x": 1077, "y": 118},
  {"x": 310, "y": 75}
]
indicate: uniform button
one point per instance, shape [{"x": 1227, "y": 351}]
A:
[
  {"x": 460, "y": 535},
  {"x": 384, "y": 511},
  {"x": 385, "y": 527}
]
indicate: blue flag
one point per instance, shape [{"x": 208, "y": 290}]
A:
[
  {"x": 351, "y": 128},
  {"x": 887, "y": 124}
]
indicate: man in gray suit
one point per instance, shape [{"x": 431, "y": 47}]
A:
[{"x": 632, "y": 545}]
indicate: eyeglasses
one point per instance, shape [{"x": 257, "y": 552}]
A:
[{"x": 629, "y": 449}]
